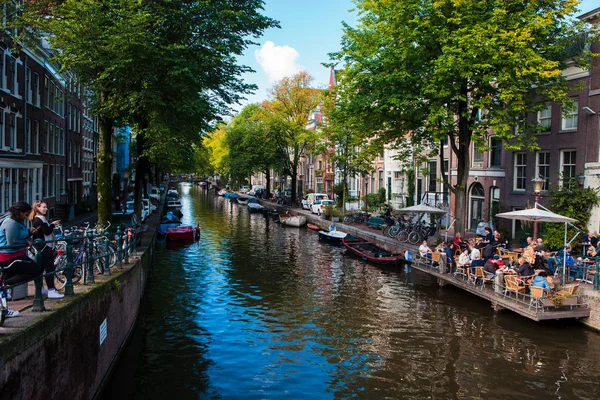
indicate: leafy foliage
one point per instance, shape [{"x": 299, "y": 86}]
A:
[
  {"x": 570, "y": 200},
  {"x": 420, "y": 71}
]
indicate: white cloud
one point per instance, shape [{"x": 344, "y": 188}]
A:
[{"x": 277, "y": 61}]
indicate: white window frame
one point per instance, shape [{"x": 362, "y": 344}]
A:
[
  {"x": 36, "y": 136},
  {"x": 544, "y": 118},
  {"x": 570, "y": 122},
  {"x": 546, "y": 166},
  {"x": 480, "y": 161},
  {"x": 516, "y": 168},
  {"x": 563, "y": 164}
]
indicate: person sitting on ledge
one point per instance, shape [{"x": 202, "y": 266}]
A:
[{"x": 17, "y": 266}]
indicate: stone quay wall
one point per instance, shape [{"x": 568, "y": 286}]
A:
[{"x": 68, "y": 352}]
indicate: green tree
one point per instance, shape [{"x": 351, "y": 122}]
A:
[
  {"x": 426, "y": 71},
  {"x": 289, "y": 109},
  {"x": 574, "y": 201},
  {"x": 163, "y": 67}
]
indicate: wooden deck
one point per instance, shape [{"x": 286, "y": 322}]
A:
[{"x": 499, "y": 301}]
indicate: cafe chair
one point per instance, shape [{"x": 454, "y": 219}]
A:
[
  {"x": 512, "y": 284},
  {"x": 537, "y": 297}
]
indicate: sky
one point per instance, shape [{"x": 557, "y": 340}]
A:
[{"x": 310, "y": 29}]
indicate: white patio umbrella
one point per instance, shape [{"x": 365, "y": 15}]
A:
[
  {"x": 535, "y": 214},
  {"x": 539, "y": 215}
]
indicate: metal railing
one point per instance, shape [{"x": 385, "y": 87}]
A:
[{"x": 100, "y": 250}]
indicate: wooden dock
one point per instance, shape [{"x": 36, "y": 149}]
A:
[{"x": 499, "y": 301}]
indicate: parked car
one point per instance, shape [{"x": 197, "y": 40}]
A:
[
  {"x": 255, "y": 189},
  {"x": 154, "y": 193},
  {"x": 244, "y": 189},
  {"x": 131, "y": 208},
  {"x": 311, "y": 198},
  {"x": 319, "y": 206}
]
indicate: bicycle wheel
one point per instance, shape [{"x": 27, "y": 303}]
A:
[
  {"x": 3, "y": 306},
  {"x": 402, "y": 236},
  {"x": 347, "y": 219},
  {"x": 393, "y": 231},
  {"x": 414, "y": 238}
]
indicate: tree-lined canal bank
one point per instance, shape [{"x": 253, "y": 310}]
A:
[{"x": 257, "y": 310}]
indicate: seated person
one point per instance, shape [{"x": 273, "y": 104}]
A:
[
  {"x": 524, "y": 268},
  {"x": 529, "y": 251},
  {"x": 425, "y": 250},
  {"x": 488, "y": 251},
  {"x": 591, "y": 251},
  {"x": 491, "y": 266},
  {"x": 590, "y": 240},
  {"x": 477, "y": 262},
  {"x": 541, "y": 281},
  {"x": 459, "y": 243},
  {"x": 448, "y": 249},
  {"x": 539, "y": 246},
  {"x": 475, "y": 253},
  {"x": 497, "y": 240},
  {"x": 553, "y": 263},
  {"x": 464, "y": 260}
]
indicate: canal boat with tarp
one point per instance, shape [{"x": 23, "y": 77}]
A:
[
  {"x": 169, "y": 220},
  {"x": 255, "y": 207},
  {"x": 370, "y": 252},
  {"x": 333, "y": 236}
]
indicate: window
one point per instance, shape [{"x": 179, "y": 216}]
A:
[
  {"x": 380, "y": 179},
  {"x": 520, "y": 180},
  {"x": 28, "y": 136},
  {"x": 28, "y": 93},
  {"x": 477, "y": 157},
  {"x": 543, "y": 167},
  {"x": 432, "y": 176},
  {"x": 46, "y": 185},
  {"x": 544, "y": 118},
  {"x": 46, "y": 138},
  {"x": 47, "y": 91},
  {"x": 569, "y": 122},
  {"x": 61, "y": 143},
  {"x": 2, "y": 131},
  {"x": 51, "y": 143},
  {"x": 36, "y": 89},
  {"x": 11, "y": 74},
  {"x": 568, "y": 161},
  {"x": 13, "y": 132},
  {"x": 1, "y": 69},
  {"x": 496, "y": 152},
  {"x": 36, "y": 137}
]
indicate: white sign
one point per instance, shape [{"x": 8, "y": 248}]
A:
[{"x": 103, "y": 331}]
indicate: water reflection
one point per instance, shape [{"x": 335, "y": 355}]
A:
[{"x": 257, "y": 310}]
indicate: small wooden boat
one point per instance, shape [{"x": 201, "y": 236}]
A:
[
  {"x": 255, "y": 207},
  {"x": 242, "y": 200},
  {"x": 292, "y": 220},
  {"x": 313, "y": 227},
  {"x": 371, "y": 252},
  {"x": 187, "y": 232},
  {"x": 332, "y": 237}
]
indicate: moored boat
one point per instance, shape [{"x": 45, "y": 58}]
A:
[
  {"x": 292, "y": 220},
  {"x": 332, "y": 237},
  {"x": 242, "y": 200},
  {"x": 186, "y": 232},
  {"x": 222, "y": 192},
  {"x": 313, "y": 227},
  {"x": 255, "y": 207},
  {"x": 371, "y": 252}
]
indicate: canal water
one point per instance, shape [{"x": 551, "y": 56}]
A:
[{"x": 256, "y": 310}]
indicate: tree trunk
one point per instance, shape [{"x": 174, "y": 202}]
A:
[
  {"x": 141, "y": 168},
  {"x": 463, "y": 160},
  {"x": 294, "y": 183},
  {"x": 105, "y": 160},
  {"x": 268, "y": 185}
]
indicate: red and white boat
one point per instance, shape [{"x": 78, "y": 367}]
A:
[{"x": 183, "y": 232}]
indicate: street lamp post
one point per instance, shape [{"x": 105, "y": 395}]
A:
[{"x": 538, "y": 184}]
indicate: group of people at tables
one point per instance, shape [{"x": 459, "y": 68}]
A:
[{"x": 530, "y": 264}]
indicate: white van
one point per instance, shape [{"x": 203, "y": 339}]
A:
[{"x": 310, "y": 199}]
